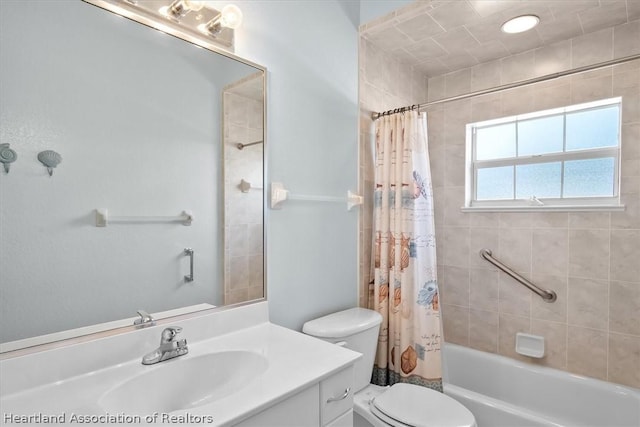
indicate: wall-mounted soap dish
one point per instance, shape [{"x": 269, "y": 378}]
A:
[{"x": 530, "y": 345}]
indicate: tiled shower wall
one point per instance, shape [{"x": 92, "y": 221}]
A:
[
  {"x": 385, "y": 83},
  {"x": 591, "y": 259},
  {"x": 243, "y": 123}
]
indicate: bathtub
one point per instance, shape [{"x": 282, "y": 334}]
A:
[{"x": 502, "y": 392}]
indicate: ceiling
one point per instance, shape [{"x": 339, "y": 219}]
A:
[{"x": 441, "y": 36}]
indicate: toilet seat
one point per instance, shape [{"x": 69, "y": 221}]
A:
[{"x": 408, "y": 405}]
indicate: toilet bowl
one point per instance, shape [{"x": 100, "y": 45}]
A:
[{"x": 400, "y": 405}]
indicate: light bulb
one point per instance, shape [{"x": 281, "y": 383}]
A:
[
  {"x": 231, "y": 16},
  {"x": 179, "y": 8},
  {"x": 520, "y": 24},
  {"x": 193, "y": 5}
]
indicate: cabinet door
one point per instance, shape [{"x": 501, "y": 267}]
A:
[
  {"x": 344, "y": 420},
  {"x": 300, "y": 410},
  {"x": 336, "y": 395}
]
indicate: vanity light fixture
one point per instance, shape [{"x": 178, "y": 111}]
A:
[
  {"x": 206, "y": 27},
  {"x": 229, "y": 17},
  {"x": 179, "y": 8},
  {"x": 520, "y": 24}
]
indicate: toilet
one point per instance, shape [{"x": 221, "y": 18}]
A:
[{"x": 400, "y": 405}]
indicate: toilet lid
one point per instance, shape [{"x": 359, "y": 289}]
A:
[{"x": 412, "y": 405}]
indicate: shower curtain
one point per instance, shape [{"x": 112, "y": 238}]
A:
[{"x": 406, "y": 289}]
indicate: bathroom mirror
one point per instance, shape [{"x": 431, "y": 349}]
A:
[{"x": 147, "y": 126}]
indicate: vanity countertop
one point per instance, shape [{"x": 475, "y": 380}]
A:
[{"x": 295, "y": 361}]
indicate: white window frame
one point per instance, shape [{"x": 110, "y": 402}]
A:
[{"x": 542, "y": 204}]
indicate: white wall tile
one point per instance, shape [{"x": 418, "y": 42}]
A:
[
  {"x": 626, "y": 39},
  {"x": 486, "y": 75},
  {"x": 553, "y": 58},
  {"x": 592, "y": 48},
  {"x": 518, "y": 67}
]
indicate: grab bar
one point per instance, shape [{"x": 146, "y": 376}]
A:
[
  {"x": 103, "y": 218},
  {"x": 241, "y": 146},
  {"x": 189, "y": 252},
  {"x": 279, "y": 194},
  {"x": 245, "y": 186},
  {"x": 546, "y": 294}
]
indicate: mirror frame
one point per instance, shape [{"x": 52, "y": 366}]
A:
[{"x": 175, "y": 30}]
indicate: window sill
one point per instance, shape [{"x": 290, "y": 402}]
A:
[{"x": 568, "y": 208}]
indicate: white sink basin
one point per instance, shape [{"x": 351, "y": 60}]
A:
[{"x": 184, "y": 382}]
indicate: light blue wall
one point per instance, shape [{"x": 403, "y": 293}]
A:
[
  {"x": 372, "y": 9},
  {"x": 310, "y": 51},
  {"x": 101, "y": 91}
]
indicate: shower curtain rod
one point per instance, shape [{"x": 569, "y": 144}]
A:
[{"x": 520, "y": 83}]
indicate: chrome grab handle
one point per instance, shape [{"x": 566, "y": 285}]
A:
[
  {"x": 337, "y": 399},
  {"x": 546, "y": 294},
  {"x": 189, "y": 252}
]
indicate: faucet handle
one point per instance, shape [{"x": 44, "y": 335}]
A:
[
  {"x": 169, "y": 334},
  {"x": 145, "y": 319}
]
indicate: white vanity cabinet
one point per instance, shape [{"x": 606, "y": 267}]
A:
[
  {"x": 270, "y": 375},
  {"x": 336, "y": 397},
  {"x": 301, "y": 410},
  {"x": 344, "y": 420},
  {"x": 328, "y": 403}
]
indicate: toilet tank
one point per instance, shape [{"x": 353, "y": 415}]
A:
[{"x": 356, "y": 329}]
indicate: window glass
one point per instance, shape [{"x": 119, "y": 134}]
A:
[
  {"x": 540, "y": 180},
  {"x": 589, "y": 178},
  {"x": 496, "y": 142},
  {"x": 566, "y": 153},
  {"x": 593, "y": 128},
  {"x": 495, "y": 183},
  {"x": 540, "y": 136}
]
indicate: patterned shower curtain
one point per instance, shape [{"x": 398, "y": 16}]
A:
[{"x": 406, "y": 289}]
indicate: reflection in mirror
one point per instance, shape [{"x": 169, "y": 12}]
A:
[
  {"x": 243, "y": 103},
  {"x": 138, "y": 118}
]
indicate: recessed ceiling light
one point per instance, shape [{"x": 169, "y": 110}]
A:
[{"x": 520, "y": 24}]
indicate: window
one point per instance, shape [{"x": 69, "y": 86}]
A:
[{"x": 555, "y": 159}]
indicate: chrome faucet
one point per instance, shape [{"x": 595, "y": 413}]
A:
[
  {"x": 169, "y": 347},
  {"x": 145, "y": 320}
]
